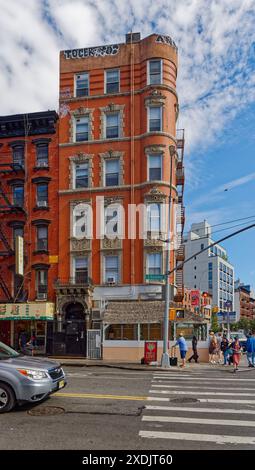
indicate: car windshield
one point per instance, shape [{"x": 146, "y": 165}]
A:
[{"x": 6, "y": 352}]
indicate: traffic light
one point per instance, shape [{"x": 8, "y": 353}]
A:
[{"x": 179, "y": 314}]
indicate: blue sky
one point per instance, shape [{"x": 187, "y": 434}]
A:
[{"x": 216, "y": 87}]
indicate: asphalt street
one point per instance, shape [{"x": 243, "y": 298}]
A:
[{"x": 112, "y": 409}]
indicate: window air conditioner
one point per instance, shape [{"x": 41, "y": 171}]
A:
[
  {"x": 42, "y": 164},
  {"x": 111, "y": 280},
  {"x": 42, "y": 204},
  {"x": 41, "y": 296}
]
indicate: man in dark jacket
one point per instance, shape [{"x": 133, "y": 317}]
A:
[{"x": 194, "y": 349}]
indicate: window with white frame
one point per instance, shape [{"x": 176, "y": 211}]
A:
[
  {"x": 155, "y": 118},
  {"x": 111, "y": 221},
  {"x": 81, "y": 223},
  {"x": 155, "y": 167},
  {"x": 112, "y": 121},
  {"x": 112, "y": 172},
  {"x": 154, "y": 263},
  {"x": 81, "y": 175},
  {"x": 80, "y": 270},
  {"x": 111, "y": 269},
  {"x": 82, "y": 84},
  {"x": 155, "y": 72},
  {"x": 82, "y": 129},
  {"x": 153, "y": 217},
  {"x": 112, "y": 81}
]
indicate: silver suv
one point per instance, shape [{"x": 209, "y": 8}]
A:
[{"x": 26, "y": 379}]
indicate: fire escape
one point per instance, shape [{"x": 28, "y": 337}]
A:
[
  {"x": 180, "y": 217},
  {"x": 9, "y": 211}
]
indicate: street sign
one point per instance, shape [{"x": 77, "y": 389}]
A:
[
  {"x": 224, "y": 317},
  {"x": 154, "y": 277}
]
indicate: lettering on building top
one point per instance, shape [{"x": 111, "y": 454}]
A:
[
  {"x": 166, "y": 40},
  {"x": 100, "y": 51}
]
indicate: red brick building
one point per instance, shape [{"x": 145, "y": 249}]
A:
[
  {"x": 117, "y": 135},
  {"x": 28, "y": 213}
]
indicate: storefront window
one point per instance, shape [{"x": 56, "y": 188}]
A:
[
  {"x": 189, "y": 330},
  {"x": 122, "y": 332},
  {"x": 151, "y": 331}
]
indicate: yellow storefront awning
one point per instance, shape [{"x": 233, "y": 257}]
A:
[{"x": 27, "y": 311}]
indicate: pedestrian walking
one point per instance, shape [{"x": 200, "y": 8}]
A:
[
  {"x": 218, "y": 348},
  {"x": 194, "y": 349},
  {"x": 225, "y": 349},
  {"x": 236, "y": 348},
  {"x": 212, "y": 348},
  {"x": 183, "y": 348},
  {"x": 250, "y": 349},
  {"x": 32, "y": 343}
]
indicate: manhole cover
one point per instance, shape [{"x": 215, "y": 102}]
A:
[
  {"x": 46, "y": 411},
  {"x": 184, "y": 400}
]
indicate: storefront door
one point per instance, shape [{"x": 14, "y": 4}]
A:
[{"x": 75, "y": 337}]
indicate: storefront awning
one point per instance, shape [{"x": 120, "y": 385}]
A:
[
  {"x": 27, "y": 311},
  {"x": 134, "y": 312}
]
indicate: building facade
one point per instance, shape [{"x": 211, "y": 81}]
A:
[
  {"x": 198, "y": 302},
  {"x": 117, "y": 137},
  {"x": 210, "y": 271},
  {"x": 28, "y": 224},
  {"x": 244, "y": 301}
]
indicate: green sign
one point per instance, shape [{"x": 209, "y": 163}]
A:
[{"x": 155, "y": 277}]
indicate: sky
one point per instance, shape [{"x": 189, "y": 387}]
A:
[{"x": 216, "y": 88}]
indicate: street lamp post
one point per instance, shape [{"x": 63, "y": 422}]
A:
[{"x": 165, "y": 363}]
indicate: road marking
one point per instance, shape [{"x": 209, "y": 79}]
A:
[
  {"x": 92, "y": 395},
  {"x": 181, "y": 392},
  {"x": 198, "y": 437},
  {"x": 208, "y": 400},
  {"x": 204, "y": 379},
  {"x": 201, "y": 388},
  {"x": 183, "y": 419},
  {"x": 80, "y": 376},
  {"x": 201, "y": 410}
]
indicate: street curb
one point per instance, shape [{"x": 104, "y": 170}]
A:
[{"x": 155, "y": 369}]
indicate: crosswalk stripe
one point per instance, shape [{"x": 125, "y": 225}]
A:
[
  {"x": 182, "y": 392},
  {"x": 200, "y": 410},
  {"x": 154, "y": 384},
  {"x": 209, "y": 400},
  {"x": 198, "y": 437},
  {"x": 183, "y": 419}
]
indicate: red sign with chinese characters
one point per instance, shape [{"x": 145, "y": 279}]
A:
[{"x": 150, "y": 351}]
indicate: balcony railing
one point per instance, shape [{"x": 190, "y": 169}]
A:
[{"x": 180, "y": 176}]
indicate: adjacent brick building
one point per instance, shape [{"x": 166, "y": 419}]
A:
[{"x": 28, "y": 213}]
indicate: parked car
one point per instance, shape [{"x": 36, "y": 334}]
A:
[{"x": 26, "y": 379}]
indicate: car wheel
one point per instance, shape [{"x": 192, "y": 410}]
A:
[{"x": 7, "y": 398}]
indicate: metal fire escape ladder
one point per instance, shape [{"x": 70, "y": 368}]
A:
[
  {"x": 9, "y": 251},
  {"x": 180, "y": 220},
  {"x": 5, "y": 289}
]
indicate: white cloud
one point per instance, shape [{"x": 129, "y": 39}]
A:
[{"x": 216, "y": 76}]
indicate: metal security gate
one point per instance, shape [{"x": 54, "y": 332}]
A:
[{"x": 94, "y": 344}]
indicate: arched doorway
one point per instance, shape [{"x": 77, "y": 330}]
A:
[{"x": 75, "y": 334}]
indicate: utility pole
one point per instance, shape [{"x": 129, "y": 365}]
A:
[{"x": 165, "y": 363}]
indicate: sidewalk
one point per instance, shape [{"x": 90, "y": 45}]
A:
[{"x": 193, "y": 367}]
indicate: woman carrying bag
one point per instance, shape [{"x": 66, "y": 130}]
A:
[{"x": 236, "y": 350}]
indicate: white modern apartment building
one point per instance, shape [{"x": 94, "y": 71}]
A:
[{"x": 210, "y": 271}]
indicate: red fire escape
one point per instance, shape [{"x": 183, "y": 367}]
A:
[
  {"x": 180, "y": 217},
  {"x": 11, "y": 210}
]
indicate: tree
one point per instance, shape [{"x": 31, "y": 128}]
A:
[
  {"x": 244, "y": 324},
  {"x": 214, "y": 323}
]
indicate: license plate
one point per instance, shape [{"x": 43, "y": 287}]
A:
[{"x": 61, "y": 384}]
